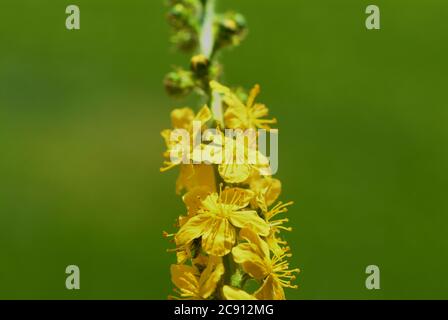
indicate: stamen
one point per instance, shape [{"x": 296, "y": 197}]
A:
[
  {"x": 167, "y": 235},
  {"x": 169, "y": 165},
  {"x": 284, "y": 228}
]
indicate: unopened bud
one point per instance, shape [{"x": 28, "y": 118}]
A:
[
  {"x": 178, "y": 16},
  {"x": 179, "y": 83},
  {"x": 200, "y": 65},
  {"x": 232, "y": 29}
]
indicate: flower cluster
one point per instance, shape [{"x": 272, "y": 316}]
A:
[{"x": 228, "y": 241}]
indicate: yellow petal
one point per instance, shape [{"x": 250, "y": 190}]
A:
[
  {"x": 203, "y": 115},
  {"x": 193, "y": 228},
  {"x": 219, "y": 237},
  {"x": 234, "y": 173},
  {"x": 253, "y": 238},
  {"x": 238, "y": 197},
  {"x": 192, "y": 176},
  {"x": 193, "y": 198},
  {"x": 216, "y": 86},
  {"x": 229, "y": 97},
  {"x": 251, "y": 220},
  {"x": 210, "y": 276},
  {"x": 182, "y": 118},
  {"x": 269, "y": 187},
  {"x": 270, "y": 290},
  {"x": 254, "y": 92},
  {"x": 273, "y": 191},
  {"x": 236, "y": 118},
  {"x": 246, "y": 255},
  {"x": 210, "y": 203},
  {"x": 231, "y": 293},
  {"x": 185, "y": 278}
]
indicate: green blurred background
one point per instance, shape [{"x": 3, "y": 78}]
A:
[{"x": 363, "y": 133}]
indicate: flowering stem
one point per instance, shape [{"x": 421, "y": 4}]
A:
[{"x": 224, "y": 260}]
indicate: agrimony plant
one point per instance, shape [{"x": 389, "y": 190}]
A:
[{"x": 229, "y": 240}]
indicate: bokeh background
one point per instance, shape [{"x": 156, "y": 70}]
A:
[{"x": 363, "y": 144}]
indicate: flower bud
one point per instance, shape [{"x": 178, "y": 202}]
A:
[
  {"x": 178, "y": 16},
  {"x": 232, "y": 29},
  {"x": 179, "y": 83},
  {"x": 183, "y": 14},
  {"x": 200, "y": 65}
]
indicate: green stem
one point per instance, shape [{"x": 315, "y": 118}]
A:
[
  {"x": 207, "y": 40},
  {"x": 228, "y": 266},
  {"x": 206, "y": 43},
  {"x": 244, "y": 280}
]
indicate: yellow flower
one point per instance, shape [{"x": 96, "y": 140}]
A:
[
  {"x": 255, "y": 259},
  {"x": 190, "y": 176},
  {"x": 231, "y": 293},
  {"x": 267, "y": 190},
  {"x": 192, "y": 200},
  {"x": 182, "y": 119},
  {"x": 276, "y": 244},
  {"x": 192, "y": 284},
  {"x": 217, "y": 219},
  {"x": 243, "y": 116}
]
